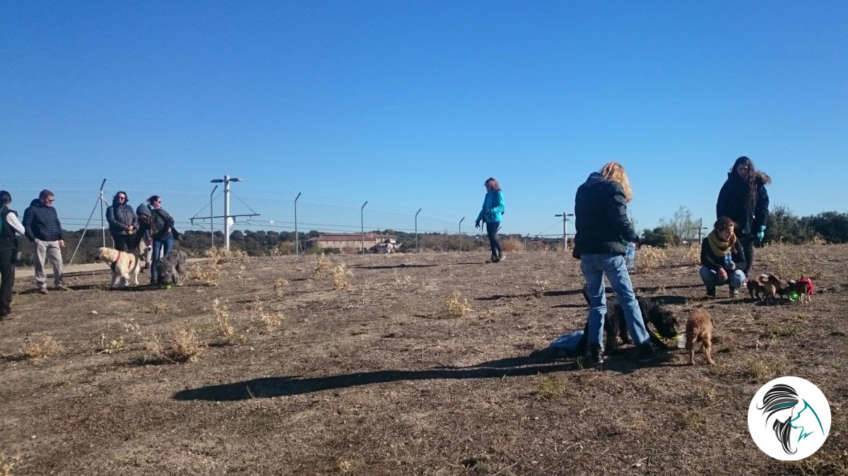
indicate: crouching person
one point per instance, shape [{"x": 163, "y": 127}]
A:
[{"x": 722, "y": 258}]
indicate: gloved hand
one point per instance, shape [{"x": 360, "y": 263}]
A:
[
  {"x": 761, "y": 235},
  {"x": 477, "y": 224}
]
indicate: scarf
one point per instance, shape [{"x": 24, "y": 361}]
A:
[{"x": 719, "y": 247}]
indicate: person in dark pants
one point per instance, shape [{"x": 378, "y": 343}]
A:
[
  {"x": 743, "y": 198},
  {"x": 603, "y": 233},
  {"x": 163, "y": 232},
  {"x": 123, "y": 223},
  {"x": 10, "y": 227},
  {"x": 492, "y": 214}
]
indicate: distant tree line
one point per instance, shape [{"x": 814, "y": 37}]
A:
[{"x": 783, "y": 227}]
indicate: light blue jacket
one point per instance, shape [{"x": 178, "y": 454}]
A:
[{"x": 493, "y": 208}]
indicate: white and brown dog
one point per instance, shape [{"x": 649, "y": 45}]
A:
[{"x": 125, "y": 266}]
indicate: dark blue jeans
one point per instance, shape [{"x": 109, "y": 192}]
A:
[
  {"x": 492, "y": 231},
  {"x": 161, "y": 248}
]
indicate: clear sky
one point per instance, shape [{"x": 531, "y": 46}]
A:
[{"x": 414, "y": 104}]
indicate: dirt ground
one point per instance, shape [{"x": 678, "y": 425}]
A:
[{"x": 295, "y": 376}]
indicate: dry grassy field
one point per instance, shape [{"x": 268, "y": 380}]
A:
[{"x": 401, "y": 364}]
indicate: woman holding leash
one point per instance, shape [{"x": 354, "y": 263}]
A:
[
  {"x": 123, "y": 223},
  {"x": 492, "y": 214},
  {"x": 603, "y": 233},
  {"x": 162, "y": 231},
  {"x": 743, "y": 198}
]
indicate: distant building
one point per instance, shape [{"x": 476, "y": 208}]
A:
[{"x": 348, "y": 241}]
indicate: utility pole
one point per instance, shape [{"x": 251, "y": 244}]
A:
[
  {"x": 417, "y": 249},
  {"x": 211, "y": 220},
  {"x": 296, "y": 238},
  {"x": 362, "y": 224},
  {"x": 564, "y": 216},
  {"x": 226, "y": 181},
  {"x": 102, "y": 216},
  {"x": 460, "y": 232}
]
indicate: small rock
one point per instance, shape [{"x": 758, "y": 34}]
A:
[{"x": 94, "y": 312}]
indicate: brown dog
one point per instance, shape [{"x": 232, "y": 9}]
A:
[{"x": 699, "y": 328}]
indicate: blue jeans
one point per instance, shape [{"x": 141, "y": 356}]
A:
[
  {"x": 492, "y": 231},
  {"x": 630, "y": 256},
  {"x": 594, "y": 267},
  {"x": 710, "y": 278},
  {"x": 166, "y": 245}
]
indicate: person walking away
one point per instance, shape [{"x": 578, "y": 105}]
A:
[
  {"x": 722, "y": 258},
  {"x": 492, "y": 214},
  {"x": 10, "y": 227},
  {"x": 123, "y": 224},
  {"x": 744, "y": 199},
  {"x": 603, "y": 232},
  {"x": 162, "y": 231},
  {"x": 42, "y": 226}
]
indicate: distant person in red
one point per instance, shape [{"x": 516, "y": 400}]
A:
[{"x": 743, "y": 198}]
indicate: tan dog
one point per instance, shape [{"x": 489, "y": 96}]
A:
[
  {"x": 125, "y": 266},
  {"x": 699, "y": 328}
]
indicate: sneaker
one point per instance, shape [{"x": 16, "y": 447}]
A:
[
  {"x": 501, "y": 257},
  {"x": 711, "y": 292},
  {"x": 42, "y": 290},
  {"x": 734, "y": 293},
  {"x": 62, "y": 287}
]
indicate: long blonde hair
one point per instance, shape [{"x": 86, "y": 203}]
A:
[{"x": 614, "y": 172}]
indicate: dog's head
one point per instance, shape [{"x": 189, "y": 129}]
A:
[
  {"x": 664, "y": 320},
  {"x": 107, "y": 255}
]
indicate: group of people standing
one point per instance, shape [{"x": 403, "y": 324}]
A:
[
  {"x": 149, "y": 224},
  {"x": 605, "y": 242}
]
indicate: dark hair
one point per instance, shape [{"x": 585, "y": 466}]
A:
[
  {"x": 780, "y": 397},
  {"x": 121, "y": 192},
  {"x": 5, "y": 198},
  {"x": 754, "y": 180},
  {"x": 723, "y": 223},
  {"x": 496, "y": 186},
  {"x": 153, "y": 199},
  {"x": 44, "y": 194}
]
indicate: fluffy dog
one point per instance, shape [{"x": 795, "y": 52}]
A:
[
  {"x": 172, "y": 268},
  {"x": 756, "y": 290},
  {"x": 125, "y": 266},
  {"x": 699, "y": 328},
  {"x": 615, "y": 325}
]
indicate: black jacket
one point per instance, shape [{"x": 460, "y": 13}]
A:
[
  {"x": 734, "y": 202},
  {"x": 714, "y": 262},
  {"x": 600, "y": 212},
  {"x": 8, "y": 238},
  {"x": 161, "y": 224},
  {"x": 42, "y": 222},
  {"x": 120, "y": 217}
]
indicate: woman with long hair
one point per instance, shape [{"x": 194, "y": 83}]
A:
[
  {"x": 492, "y": 214},
  {"x": 743, "y": 198},
  {"x": 722, "y": 258},
  {"x": 603, "y": 233},
  {"x": 162, "y": 232}
]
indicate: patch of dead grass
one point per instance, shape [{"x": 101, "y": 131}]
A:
[
  {"x": 40, "y": 347},
  {"x": 457, "y": 306}
]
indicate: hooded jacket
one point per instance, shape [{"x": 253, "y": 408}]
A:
[
  {"x": 493, "y": 207},
  {"x": 734, "y": 202},
  {"x": 600, "y": 213},
  {"x": 120, "y": 217},
  {"x": 42, "y": 222}
]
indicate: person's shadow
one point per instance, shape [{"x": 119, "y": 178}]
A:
[{"x": 294, "y": 385}]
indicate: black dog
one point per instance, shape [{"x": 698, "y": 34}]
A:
[{"x": 615, "y": 326}]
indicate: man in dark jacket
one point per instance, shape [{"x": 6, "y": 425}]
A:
[
  {"x": 744, "y": 199},
  {"x": 43, "y": 228},
  {"x": 123, "y": 223}
]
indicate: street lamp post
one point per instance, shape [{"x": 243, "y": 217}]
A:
[
  {"x": 417, "y": 249},
  {"x": 296, "y": 238},
  {"x": 211, "y": 219},
  {"x": 362, "y": 224}
]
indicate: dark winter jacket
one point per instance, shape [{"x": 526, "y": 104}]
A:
[
  {"x": 161, "y": 224},
  {"x": 42, "y": 222},
  {"x": 120, "y": 217},
  {"x": 600, "y": 212},
  {"x": 8, "y": 238},
  {"x": 734, "y": 202},
  {"x": 714, "y": 262}
]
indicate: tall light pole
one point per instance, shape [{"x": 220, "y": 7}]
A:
[
  {"x": 296, "y": 239},
  {"x": 460, "y": 232},
  {"x": 211, "y": 217},
  {"x": 362, "y": 224},
  {"x": 417, "y": 249},
  {"x": 564, "y": 216},
  {"x": 226, "y": 181}
]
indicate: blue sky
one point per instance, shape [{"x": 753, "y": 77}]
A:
[{"x": 414, "y": 104}]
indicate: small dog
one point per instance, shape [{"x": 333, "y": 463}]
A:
[
  {"x": 172, "y": 268},
  {"x": 771, "y": 286},
  {"x": 699, "y": 328},
  {"x": 804, "y": 287},
  {"x": 125, "y": 266},
  {"x": 756, "y": 290}
]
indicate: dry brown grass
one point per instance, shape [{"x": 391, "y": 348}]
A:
[
  {"x": 111, "y": 346},
  {"x": 40, "y": 347},
  {"x": 185, "y": 345},
  {"x": 341, "y": 277},
  {"x": 269, "y": 319},
  {"x": 692, "y": 255},
  {"x": 550, "y": 388},
  {"x": 323, "y": 265},
  {"x": 7, "y": 465},
  {"x": 650, "y": 257},
  {"x": 511, "y": 245},
  {"x": 457, "y": 306},
  {"x": 280, "y": 287},
  {"x": 222, "y": 320},
  {"x": 207, "y": 273}
]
